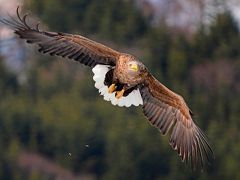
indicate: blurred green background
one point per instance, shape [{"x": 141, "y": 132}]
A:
[{"x": 54, "y": 124}]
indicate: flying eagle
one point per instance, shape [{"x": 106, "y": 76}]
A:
[{"x": 124, "y": 80}]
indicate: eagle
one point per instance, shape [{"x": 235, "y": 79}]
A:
[{"x": 124, "y": 81}]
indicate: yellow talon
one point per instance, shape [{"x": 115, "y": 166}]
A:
[
  {"x": 120, "y": 94},
  {"x": 112, "y": 88}
]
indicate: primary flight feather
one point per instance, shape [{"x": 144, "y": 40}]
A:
[{"x": 124, "y": 80}]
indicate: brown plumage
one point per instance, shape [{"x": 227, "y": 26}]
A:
[{"x": 164, "y": 109}]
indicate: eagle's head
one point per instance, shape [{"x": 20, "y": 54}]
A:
[{"x": 136, "y": 67}]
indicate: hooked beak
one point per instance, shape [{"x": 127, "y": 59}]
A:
[{"x": 134, "y": 67}]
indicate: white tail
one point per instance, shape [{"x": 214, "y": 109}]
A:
[{"x": 134, "y": 98}]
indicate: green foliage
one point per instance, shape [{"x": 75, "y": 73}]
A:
[
  {"x": 157, "y": 45},
  {"x": 58, "y": 113},
  {"x": 220, "y": 40}
]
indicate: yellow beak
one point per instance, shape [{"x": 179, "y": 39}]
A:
[{"x": 134, "y": 67}]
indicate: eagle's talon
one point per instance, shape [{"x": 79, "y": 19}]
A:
[
  {"x": 111, "y": 88},
  {"x": 119, "y": 94}
]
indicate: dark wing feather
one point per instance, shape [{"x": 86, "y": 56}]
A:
[
  {"x": 74, "y": 47},
  {"x": 168, "y": 111}
]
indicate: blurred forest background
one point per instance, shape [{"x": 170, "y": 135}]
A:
[{"x": 54, "y": 124}]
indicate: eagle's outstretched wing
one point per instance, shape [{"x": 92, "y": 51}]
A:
[
  {"x": 74, "y": 47},
  {"x": 168, "y": 111}
]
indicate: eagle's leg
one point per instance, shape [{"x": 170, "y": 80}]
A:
[
  {"x": 118, "y": 88},
  {"x": 112, "y": 88},
  {"x": 119, "y": 94},
  {"x": 121, "y": 88}
]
